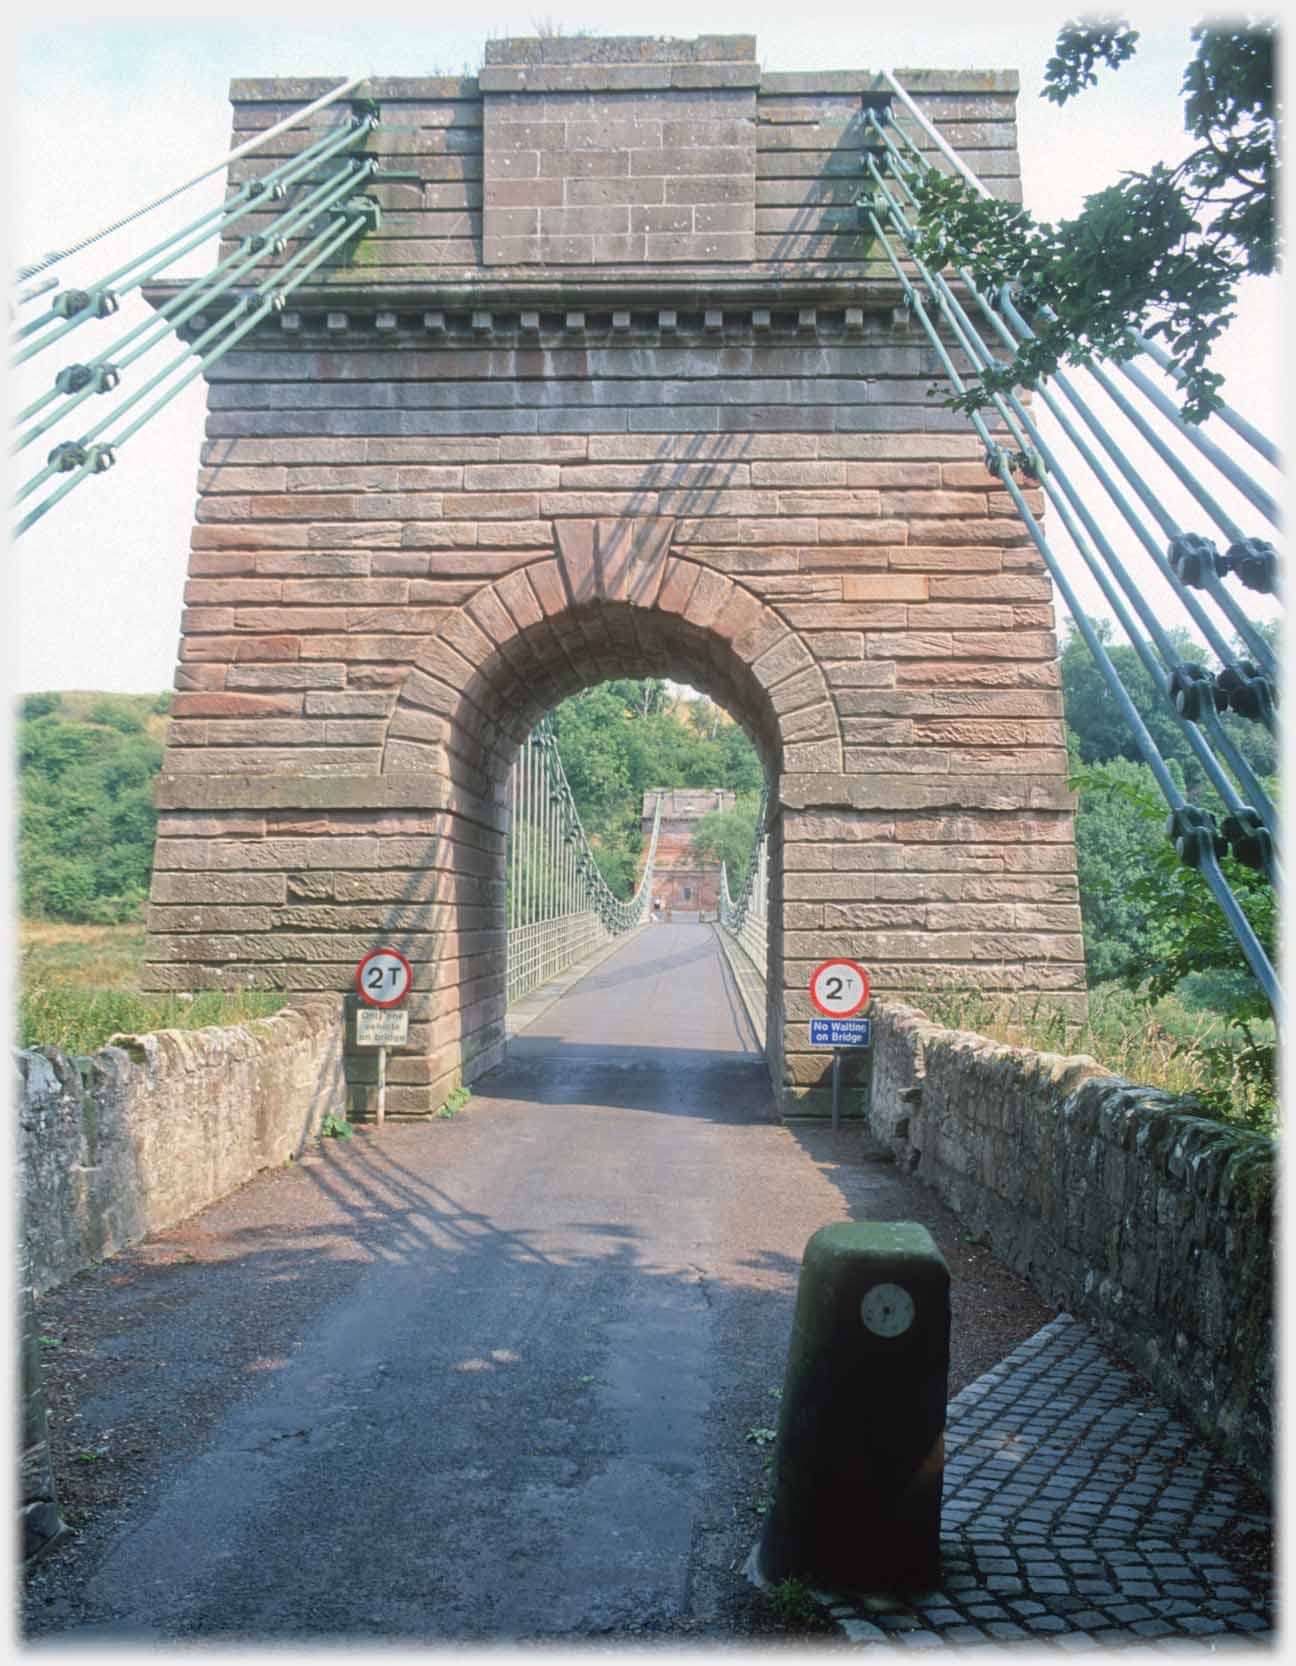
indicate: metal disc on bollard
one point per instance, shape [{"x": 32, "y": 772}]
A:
[{"x": 858, "y": 1466}]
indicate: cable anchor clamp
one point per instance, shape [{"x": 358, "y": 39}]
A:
[
  {"x": 66, "y": 456},
  {"x": 1243, "y": 688},
  {"x": 1192, "y": 691},
  {"x": 365, "y": 206},
  {"x": 1255, "y": 562},
  {"x": 101, "y": 303},
  {"x": 71, "y": 454},
  {"x": 102, "y": 378},
  {"x": 1249, "y": 839},
  {"x": 1190, "y": 828},
  {"x": 1194, "y": 560}
]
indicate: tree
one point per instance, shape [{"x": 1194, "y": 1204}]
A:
[
  {"x": 623, "y": 737},
  {"x": 1154, "y": 923},
  {"x": 1115, "y": 836},
  {"x": 1161, "y": 251},
  {"x": 86, "y": 816},
  {"x": 1100, "y": 728},
  {"x": 117, "y": 714},
  {"x": 728, "y": 836}
]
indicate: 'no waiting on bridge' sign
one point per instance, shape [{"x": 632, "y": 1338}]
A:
[{"x": 839, "y": 989}]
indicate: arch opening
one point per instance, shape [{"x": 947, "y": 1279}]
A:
[{"x": 520, "y": 648}]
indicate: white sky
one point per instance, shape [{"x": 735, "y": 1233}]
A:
[{"x": 105, "y": 117}]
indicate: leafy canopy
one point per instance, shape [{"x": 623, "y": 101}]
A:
[
  {"x": 728, "y": 836},
  {"x": 85, "y": 808},
  {"x": 1161, "y": 251},
  {"x": 620, "y": 738}
]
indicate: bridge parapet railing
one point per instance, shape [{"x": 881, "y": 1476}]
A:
[
  {"x": 560, "y": 908},
  {"x": 745, "y": 919}
]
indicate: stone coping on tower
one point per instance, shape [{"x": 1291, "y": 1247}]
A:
[{"x": 643, "y": 159}]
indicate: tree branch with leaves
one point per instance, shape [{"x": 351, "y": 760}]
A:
[{"x": 1161, "y": 251}]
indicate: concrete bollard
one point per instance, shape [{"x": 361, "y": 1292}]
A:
[{"x": 859, "y": 1461}]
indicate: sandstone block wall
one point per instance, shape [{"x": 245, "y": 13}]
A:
[
  {"x": 481, "y": 465},
  {"x": 144, "y": 1134},
  {"x": 1119, "y": 1203}
]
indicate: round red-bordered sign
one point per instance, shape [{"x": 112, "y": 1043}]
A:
[
  {"x": 384, "y": 978},
  {"x": 839, "y": 988}
]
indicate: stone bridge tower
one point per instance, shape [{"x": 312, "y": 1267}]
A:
[
  {"x": 616, "y": 388},
  {"x": 684, "y": 881}
]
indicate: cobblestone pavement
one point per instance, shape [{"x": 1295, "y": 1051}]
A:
[{"x": 1078, "y": 1512}]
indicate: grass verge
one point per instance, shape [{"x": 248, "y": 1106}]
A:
[
  {"x": 78, "y": 985},
  {"x": 1167, "y": 1044}
]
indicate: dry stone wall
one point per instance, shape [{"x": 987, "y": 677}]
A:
[
  {"x": 483, "y": 464},
  {"x": 1121, "y": 1204},
  {"x": 144, "y": 1133}
]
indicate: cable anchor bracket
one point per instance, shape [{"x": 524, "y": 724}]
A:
[
  {"x": 1192, "y": 692},
  {"x": 1194, "y": 560},
  {"x": 1189, "y": 829}
]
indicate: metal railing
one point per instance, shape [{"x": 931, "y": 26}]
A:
[
  {"x": 560, "y": 908},
  {"x": 1188, "y": 561},
  {"x": 746, "y": 918}
]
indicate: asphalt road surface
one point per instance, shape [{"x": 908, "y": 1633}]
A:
[{"x": 499, "y": 1377}]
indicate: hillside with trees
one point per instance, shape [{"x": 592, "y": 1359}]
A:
[
  {"x": 86, "y": 764},
  {"x": 621, "y": 738},
  {"x": 86, "y": 822}
]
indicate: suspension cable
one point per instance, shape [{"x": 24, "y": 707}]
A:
[
  {"x": 52, "y": 259},
  {"x": 1250, "y": 831}
]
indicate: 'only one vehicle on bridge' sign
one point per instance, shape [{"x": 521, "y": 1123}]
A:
[
  {"x": 383, "y": 978},
  {"x": 838, "y": 989}
]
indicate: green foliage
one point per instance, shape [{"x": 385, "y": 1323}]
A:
[
  {"x": 1114, "y": 841},
  {"x": 1148, "y": 920},
  {"x": 80, "y": 1020},
  {"x": 1100, "y": 727},
  {"x": 1186, "y": 931},
  {"x": 1166, "y": 928},
  {"x": 621, "y": 738},
  {"x": 728, "y": 836},
  {"x": 1163, "y": 1043},
  {"x": 117, "y": 713},
  {"x": 80, "y": 984},
  {"x": 86, "y": 819},
  {"x": 455, "y": 1101},
  {"x": 1161, "y": 251},
  {"x": 1080, "y": 46},
  {"x": 792, "y": 1600},
  {"x": 335, "y": 1127}
]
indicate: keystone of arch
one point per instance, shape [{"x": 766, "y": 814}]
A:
[{"x": 517, "y": 647}]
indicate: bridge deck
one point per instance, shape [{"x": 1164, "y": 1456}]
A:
[{"x": 483, "y": 1378}]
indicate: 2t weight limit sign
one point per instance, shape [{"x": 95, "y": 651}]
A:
[
  {"x": 839, "y": 988},
  {"x": 383, "y": 978}
]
